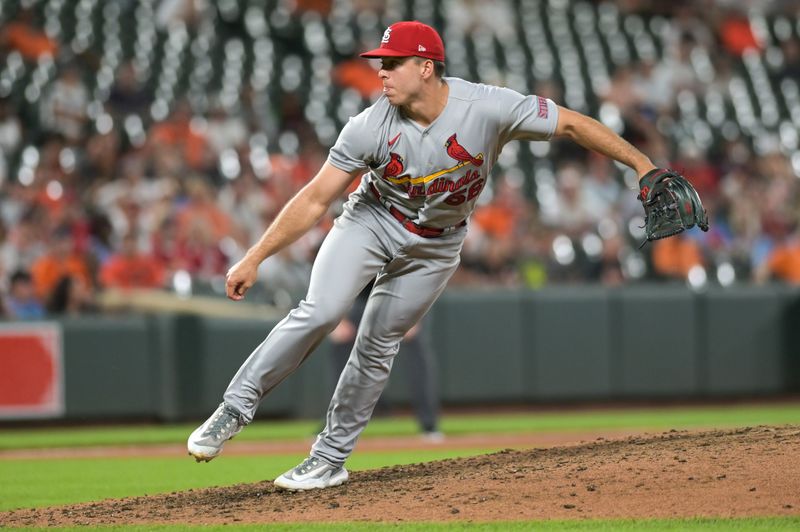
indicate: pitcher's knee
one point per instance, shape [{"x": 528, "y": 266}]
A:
[
  {"x": 320, "y": 316},
  {"x": 376, "y": 349}
]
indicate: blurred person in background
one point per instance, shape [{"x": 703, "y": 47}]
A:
[
  {"x": 134, "y": 201},
  {"x": 11, "y": 134},
  {"x": 61, "y": 260},
  {"x": 357, "y": 75},
  {"x": 71, "y": 296},
  {"x": 21, "y": 301},
  {"x": 705, "y": 175},
  {"x": 491, "y": 248},
  {"x": 100, "y": 158},
  {"x": 674, "y": 257},
  {"x": 197, "y": 252},
  {"x": 201, "y": 226},
  {"x": 248, "y": 204},
  {"x": 184, "y": 137},
  {"x": 63, "y": 108},
  {"x": 226, "y": 130},
  {"x": 734, "y": 30},
  {"x": 790, "y": 69},
  {"x": 189, "y": 12},
  {"x": 199, "y": 207},
  {"x": 25, "y": 35},
  {"x": 129, "y": 268},
  {"x": 574, "y": 210},
  {"x": 100, "y": 235},
  {"x": 783, "y": 262},
  {"x": 128, "y": 95},
  {"x": 672, "y": 74},
  {"x": 23, "y": 241},
  {"x": 469, "y": 16}
]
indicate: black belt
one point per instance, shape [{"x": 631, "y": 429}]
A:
[{"x": 408, "y": 223}]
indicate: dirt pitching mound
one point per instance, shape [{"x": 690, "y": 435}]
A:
[{"x": 745, "y": 472}]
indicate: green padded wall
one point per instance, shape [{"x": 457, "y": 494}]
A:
[
  {"x": 655, "y": 330},
  {"x": 744, "y": 342},
  {"x": 478, "y": 337},
  {"x": 567, "y": 344},
  {"x": 108, "y": 367},
  {"x": 560, "y": 343}
]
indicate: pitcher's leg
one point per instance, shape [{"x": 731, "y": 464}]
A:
[
  {"x": 349, "y": 257},
  {"x": 402, "y": 295},
  {"x": 422, "y": 380}
]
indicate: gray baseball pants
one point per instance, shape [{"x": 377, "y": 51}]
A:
[{"x": 412, "y": 271}]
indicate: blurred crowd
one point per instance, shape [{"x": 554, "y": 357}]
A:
[{"x": 123, "y": 191}]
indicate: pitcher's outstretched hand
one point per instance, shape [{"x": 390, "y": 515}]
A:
[{"x": 240, "y": 278}]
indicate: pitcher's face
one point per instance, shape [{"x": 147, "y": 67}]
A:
[{"x": 402, "y": 79}]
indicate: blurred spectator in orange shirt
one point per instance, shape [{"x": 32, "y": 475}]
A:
[
  {"x": 131, "y": 269},
  {"x": 201, "y": 210},
  {"x": 674, "y": 257},
  {"x": 736, "y": 33},
  {"x": 359, "y": 75},
  {"x": 178, "y": 133},
  {"x": 782, "y": 263},
  {"x": 61, "y": 261},
  {"x": 502, "y": 216},
  {"x": 21, "y": 34}
]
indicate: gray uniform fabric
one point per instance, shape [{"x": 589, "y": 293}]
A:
[
  {"x": 420, "y": 361},
  {"x": 434, "y": 176}
]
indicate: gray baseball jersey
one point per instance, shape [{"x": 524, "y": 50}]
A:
[{"x": 432, "y": 175}]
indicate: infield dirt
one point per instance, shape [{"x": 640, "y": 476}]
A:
[{"x": 739, "y": 473}]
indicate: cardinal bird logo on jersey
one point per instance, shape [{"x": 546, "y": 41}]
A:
[
  {"x": 395, "y": 166},
  {"x": 459, "y": 153},
  {"x": 458, "y": 189}
]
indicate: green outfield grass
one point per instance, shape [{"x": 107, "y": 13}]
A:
[
  {"x": 45, "y": 482},
  {"x": 574, "y": 421},
  {"x": 597, "y": 525}
]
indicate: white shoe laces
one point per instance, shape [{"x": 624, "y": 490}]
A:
[
  {"x": 221, "y": 424},
  {"x": 308, "y": 465}
]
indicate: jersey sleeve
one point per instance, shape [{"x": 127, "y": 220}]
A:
[
  {"x": 355, "y": 146},
  {"x": 523, "y": 117}
]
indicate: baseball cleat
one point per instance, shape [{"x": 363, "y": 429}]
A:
[
  {"x": 313, "y": 473},
  {"x": 207, "y": 440},
  {"x": 199, "y": 459}
]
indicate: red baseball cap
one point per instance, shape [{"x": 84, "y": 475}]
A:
[{"x": 407, "y": 38}]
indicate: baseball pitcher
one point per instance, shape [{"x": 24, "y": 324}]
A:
[{"x": 423, "y": 153}]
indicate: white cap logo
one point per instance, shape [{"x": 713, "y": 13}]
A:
[
  {"x": 421, "y": 48},
  {"x": 386, "y": 35}
]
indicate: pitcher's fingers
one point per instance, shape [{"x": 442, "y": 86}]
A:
[{"x": 234, "y": 290}]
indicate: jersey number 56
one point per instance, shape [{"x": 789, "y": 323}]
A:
[{"x": 466, "y": 194}]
